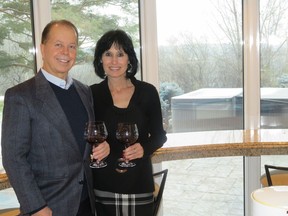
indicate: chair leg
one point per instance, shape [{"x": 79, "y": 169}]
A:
[{"x": 158, "y": 198}]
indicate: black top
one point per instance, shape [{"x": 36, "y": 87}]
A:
[{"x": 145, "y": 110}]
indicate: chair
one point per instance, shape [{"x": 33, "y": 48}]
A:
[
  {"x": 277, "y": 176},
  {"x": 10, "y": 212},
  {"x": 159, "y": 188}
]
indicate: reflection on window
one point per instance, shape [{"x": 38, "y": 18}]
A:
[
  {"x": 93, "y": 19},
  {"x": 200, "y": 60},
  {"x": 274, "y": 55}
]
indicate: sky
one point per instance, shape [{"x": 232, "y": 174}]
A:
[{"x": 183, "y": 16}]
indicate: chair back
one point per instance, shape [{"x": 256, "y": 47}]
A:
[
  {"x": 274, "y": 175},
  {"x": 158, "y": 193}
]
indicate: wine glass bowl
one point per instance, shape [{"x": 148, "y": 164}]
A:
[
  {"x": 96, "y": 133},
  {"x": 127, "y": 134}
]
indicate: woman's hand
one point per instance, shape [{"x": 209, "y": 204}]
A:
[
  {"x": 101, "y": 151},
  {"x": 133, "y": 152}
]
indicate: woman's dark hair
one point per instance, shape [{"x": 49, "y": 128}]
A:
[
  {"x": 48, "y": 27},
  {"x": 121, "y": 40}
]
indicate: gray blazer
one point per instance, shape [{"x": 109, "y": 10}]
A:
[{"x": 40, "y": 154}]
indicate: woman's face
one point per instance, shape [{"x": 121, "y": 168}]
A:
[{"x": 115, "y": 62}]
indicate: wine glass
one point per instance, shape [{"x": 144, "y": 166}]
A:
[
  {"x": 127, "y": 134},
  {"x": 96, "y": 133}
]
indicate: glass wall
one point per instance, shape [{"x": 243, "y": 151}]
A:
[
  {"x": 274, "y": 70},
  {"x": 200, "y": 50},
  {"x": 16, "y": 44},
  {"x": 17, "y": 62},
  {"x": 200, "y": 64},
  {"x": 201, "y": 85},
  {"x": 92, "y": 21},
  {"x": 274, "y": 64}
]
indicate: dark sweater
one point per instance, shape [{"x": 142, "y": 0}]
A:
[
  {"x": 77, "y": 116},
  {"x": 75, "y": 112}
]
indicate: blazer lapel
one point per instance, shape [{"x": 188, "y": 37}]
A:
[
  {"x": 87, "y": 101},
  {"x": 86, "y": 97},
  {"x": 52, "y": 109}
]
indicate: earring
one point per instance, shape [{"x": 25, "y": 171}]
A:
[{"x": 129, "y": 68}]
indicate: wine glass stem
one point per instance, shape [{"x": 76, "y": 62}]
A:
[{"x": 126, "y": 161}]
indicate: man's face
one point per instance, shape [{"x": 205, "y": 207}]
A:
[{"x": 59, "y": 51}]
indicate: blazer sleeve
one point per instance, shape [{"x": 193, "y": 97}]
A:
[{"x": 15, "y": 141}]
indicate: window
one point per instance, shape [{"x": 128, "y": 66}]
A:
[
  {"x": 201, "y": 85},
  {"x": 274, "y": 55},
  {"x": 92, "y": 21},
  {"x": 200, "y": 58},
  {"x": 274, "y": 76},
  {"x": 200, "y": 64},
  {"x": 17, "y": 62},
  {"x": 16, "y": 44}
]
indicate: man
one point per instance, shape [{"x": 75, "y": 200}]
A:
[{"x": 44, "y": 153}]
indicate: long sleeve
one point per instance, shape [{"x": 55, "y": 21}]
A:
[
  {"x": 16, "y": 131},
  {"x": 156, "y": 131}
]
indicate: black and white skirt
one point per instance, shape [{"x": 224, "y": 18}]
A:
[{"x": 114, "y": 204}]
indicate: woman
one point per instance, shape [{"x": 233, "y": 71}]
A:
[{"x": 122, "y": 98}]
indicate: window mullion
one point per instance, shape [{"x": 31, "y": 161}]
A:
[{"x": 252, "y": 165}]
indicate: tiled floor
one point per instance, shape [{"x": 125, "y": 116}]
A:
[{"x": 210, "y": 186}]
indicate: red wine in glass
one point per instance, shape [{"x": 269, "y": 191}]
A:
[
  {"x": 127, "y": 134},
  {"x": 96, "y": 133}
]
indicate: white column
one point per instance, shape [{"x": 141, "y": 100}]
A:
[
  {"x": 149, "y": 43},
  {"x": 42, "y": 16},
  {"x": 252, "y": 165}
]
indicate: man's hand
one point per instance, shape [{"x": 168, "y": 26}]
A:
[{"x": 43, "y": 212}]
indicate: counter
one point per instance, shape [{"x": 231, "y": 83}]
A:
[
  {"x": 219, "y": 144},
  {"x": 223, "y": 143}
]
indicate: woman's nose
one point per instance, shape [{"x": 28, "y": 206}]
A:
[{"x": 114, "y": 59}]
